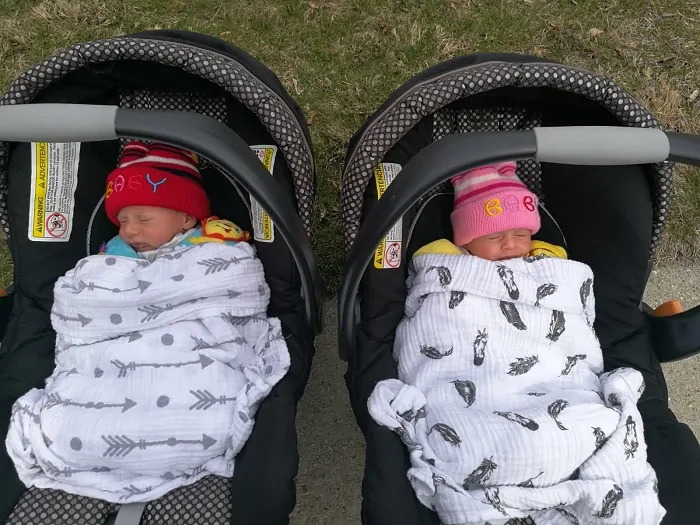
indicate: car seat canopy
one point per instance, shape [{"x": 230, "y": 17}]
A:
[
  {"x": 229, "y": 68},
  {"x": 490, "y": 92}
]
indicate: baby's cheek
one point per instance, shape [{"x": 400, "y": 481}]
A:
[{"x": 525, "y": 247}]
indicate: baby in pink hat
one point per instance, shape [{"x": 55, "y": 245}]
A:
[{"x": 494, "y": 217}]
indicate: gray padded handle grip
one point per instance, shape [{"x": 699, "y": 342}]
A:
[
  {"x": 57, "y": 123},
  {"x": 601, "y": 146}
]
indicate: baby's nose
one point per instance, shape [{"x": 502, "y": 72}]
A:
[{"x": 129, "y": 229}]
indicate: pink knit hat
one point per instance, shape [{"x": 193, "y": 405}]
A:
[{"x": 491, "y": 199}]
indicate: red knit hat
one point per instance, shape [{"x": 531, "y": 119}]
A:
[{"x": 156, "y": 175}]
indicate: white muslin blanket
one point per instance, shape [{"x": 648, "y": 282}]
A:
[
  {"x": 501, "y": 400},
  {"x": 160, "y": 368}
]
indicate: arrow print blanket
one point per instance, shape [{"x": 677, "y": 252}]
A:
[
  {"x": 501, "y": 401},
  {"x": 160, "y": 368}
]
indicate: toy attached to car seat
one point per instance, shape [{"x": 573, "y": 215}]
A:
[{"x": 218, "y": 230}]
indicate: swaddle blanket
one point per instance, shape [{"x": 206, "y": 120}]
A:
[
  {"x": 160, "y": 368},
  {"x": 501, "y": 402}
]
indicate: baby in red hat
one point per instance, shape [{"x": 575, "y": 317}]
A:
[
  {"x": 494, "y": 217},
  {"x": 156, "y": 196}
]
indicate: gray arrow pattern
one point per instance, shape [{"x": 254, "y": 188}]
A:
[
  {"x": 122, "y": 445},
  {"x": 206, "y": 400},
  {"x": 201, "y": 344},
  {"x": 54, "y": 400},
  {"x": 152, "y": 311},
  {"x": 219, "y": 264},
  {"x": 174, "y": 256},
  {"x": 84, "y": 321},
  {"x": 133, "y": 490},
  {"x": 142, "y": 286},
  {"x": 169, "y": 476},
  {"x": 125, "y": 368},
  {"x": 235, "y": 320},
  {"x": 66, "y": 373},
  {"x": 25, "y": 410},
  {"x": 53, "y": 470}
]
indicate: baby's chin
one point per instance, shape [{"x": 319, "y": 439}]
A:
[
  {"x": 141, "y": 247},
  {"x": 510, "y": 257}
]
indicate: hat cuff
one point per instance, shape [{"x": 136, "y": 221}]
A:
[{"x": 494, "y": 212}]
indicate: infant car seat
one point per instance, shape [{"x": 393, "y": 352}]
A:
[
  {"x": 192, "y": 91},
  {"x": 607, "y": 187}
]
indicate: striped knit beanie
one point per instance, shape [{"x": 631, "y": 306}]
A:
[
  {"x": 156, "y": 175},
  {"x": 491, "y": 199}
]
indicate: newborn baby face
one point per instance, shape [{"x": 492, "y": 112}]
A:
[
  {"x": 502, "y": 245},
  {"x": 148, "y": 228}
]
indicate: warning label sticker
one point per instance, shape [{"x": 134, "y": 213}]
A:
[
  {"x": 52, "y": 199},
  {"x": 263, "y": 228},
  {"x": 388, "y": 252}
]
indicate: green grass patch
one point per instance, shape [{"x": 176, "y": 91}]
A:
[{"x": 340, "y": 59}]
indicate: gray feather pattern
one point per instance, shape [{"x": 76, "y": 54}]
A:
[
  {"x": 631, "y": 442},
  {"x": 439, "y": 480},
  {"x": 466, "y": 390},
  {"x": 447, "y": 433},
  {"x": 556, "y": 326},
  {"x": 555, "y": 409},
  {"x": 455, "y": 299},
  {"x": 543, "y": 291},
  {"x": 480, "y": 475},
  {"x": 523, "y": 421},
  {"x": 494, "y": 498},
  {"x": 612, "y": 498},
  {"x": 572, "y": 519},
  {"x": 506, "y": 275},
  {"x": 444, "y": 274},
  {"x": 522, "y": 365},
  {"x": 510, "y": 312},
  {"x": 600, "y": 437},
  {"x": 406, "y": 438},
  {"x": 585, "y": 291},
  {"x": 534, "y": 258},
  {"x": 408, "y": 415},
  {"x": 614, "y": 400},
  {"x": 528, "y": 484},
  {"x": 433, "y": 353},
  {"x": 479, "y": 346},
  {"x": 571, "y": 363}
]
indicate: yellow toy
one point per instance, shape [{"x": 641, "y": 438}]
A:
[
  {"x": 219, "y": 230},
  {"x": 550, "y": 250}
]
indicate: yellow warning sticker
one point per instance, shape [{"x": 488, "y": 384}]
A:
[
  {"x": 388, "y": 252},
  {"x": 263, "y": 228},
  {"x": 53, "y": 181}
]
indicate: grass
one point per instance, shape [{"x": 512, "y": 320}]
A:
[{"x": 340, "y": 59}]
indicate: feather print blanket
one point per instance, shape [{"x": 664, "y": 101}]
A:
[
  {"x": 501, "y": 401},
  {"x": 160, "y": 368}
]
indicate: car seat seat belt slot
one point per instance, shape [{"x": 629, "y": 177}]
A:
[{"x": 130, "y": 514}]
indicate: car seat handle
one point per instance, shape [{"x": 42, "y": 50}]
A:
[
  {"x": 57, "y": 123},
  {"x": 601, "y": 145}
]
